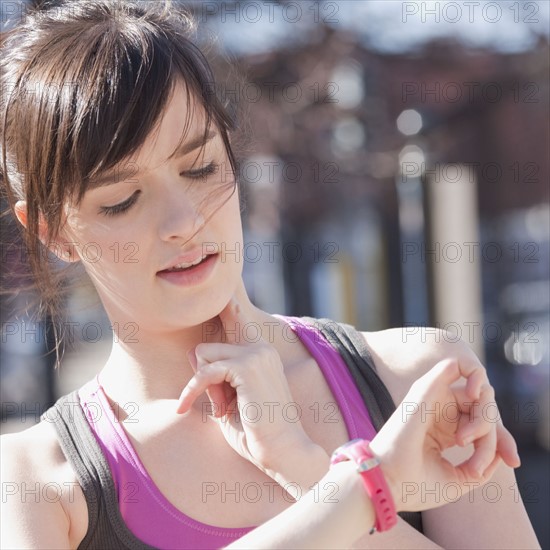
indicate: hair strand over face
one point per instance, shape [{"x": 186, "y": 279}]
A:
[{"x": 83, "y": 83}]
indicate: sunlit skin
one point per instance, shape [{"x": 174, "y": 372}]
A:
[
  {"x": 151, "y": 367},
  {"x": 159, "y": 323}
]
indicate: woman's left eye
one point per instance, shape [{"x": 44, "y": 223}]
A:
[
  {"x": 202, "y": 172},
  {"x": 120, "y": 207},
  {"x": 198, "y": 173}
]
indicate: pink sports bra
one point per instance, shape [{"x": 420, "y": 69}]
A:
[{"x": 151, "y": 517}]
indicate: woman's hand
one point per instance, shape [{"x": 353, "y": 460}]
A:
[
  {"x": 248, "y": 391},
  {"x": 441, "y": 411}
]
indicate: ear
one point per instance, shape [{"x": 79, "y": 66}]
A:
[{"x": 60, "y": 249}]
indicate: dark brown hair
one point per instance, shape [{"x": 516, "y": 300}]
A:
[{"x": 83, "y": 83}]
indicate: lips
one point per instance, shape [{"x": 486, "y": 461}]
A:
[
  {"x": 184, "y": 261},
  {"x": 190, "y": 276},
  {"x": 180, "y": 267}
]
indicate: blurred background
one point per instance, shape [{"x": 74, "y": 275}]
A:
[{"x": 395, "y": 172}]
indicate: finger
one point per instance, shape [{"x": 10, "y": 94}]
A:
[
  {"x": 482, "y": 418},
  {"x": 438, "y": 378},
  {"x": 215, "y": 392},
  {"x": 215, "y": 351},
  {"x": 482, "y": 430},
  {"x": 476, "y": 379},
  {"x": 507, "y": 447},
  {"x": 209, "y": 374},
  {"x": 475, "y": 374},
  {"x": 450, "y": 370},
  {"x": 484, "y": 454},
  {"x": 472, "y": 481},
  {"x": 221, "y": 397},
  {"x": 220, "y": 394},
  {"x": 215, "y": 395},
  {"x": 192, "y": 358},
  {"x": 490, "y": 470},
  {"x": 217, "y": 399},
  {"x": 233, "y": 320}
]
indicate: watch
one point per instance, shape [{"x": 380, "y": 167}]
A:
[{"x": 373, "y": 479}]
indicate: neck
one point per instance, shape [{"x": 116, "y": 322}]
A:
[{"x": 156, "y": 367}]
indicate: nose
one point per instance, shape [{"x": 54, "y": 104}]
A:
[{"x": 180, "y": 216}]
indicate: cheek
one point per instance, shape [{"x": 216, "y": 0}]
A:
[
  {"x": 231, "y": 209},
  {"x": 101, "y": 248},
  {"x": 89, "y": 228}
]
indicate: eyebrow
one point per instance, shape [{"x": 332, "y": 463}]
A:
[
  {"x": 116, "y": 176},
  {"x": 190, "y": 146}
]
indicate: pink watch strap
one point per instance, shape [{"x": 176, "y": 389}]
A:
[{"x": 373, "y": 479}]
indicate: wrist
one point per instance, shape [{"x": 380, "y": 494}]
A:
[
  {"x": 367, "y": 464},
  {"x": 386, "y": 465},
  {"x": 304, "y": 467},
  {"x": 360, "y": 510}
]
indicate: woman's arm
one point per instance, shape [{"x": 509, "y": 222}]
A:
[
  {"x": 409, "y": 447},
  {"x": 333, "y": 515},
  {"x": 31, "y": 515},
  {"x": 336, "y": 514},
  {"x": 495, "y": 515}
]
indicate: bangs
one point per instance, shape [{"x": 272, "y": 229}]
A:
[
  {"x": 99, "y": 90},
  {"x": 124, "y": 101},
  {"x": 83, "y": 83}
]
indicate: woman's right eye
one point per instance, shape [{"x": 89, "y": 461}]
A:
[{"x": 120, "y": 207}]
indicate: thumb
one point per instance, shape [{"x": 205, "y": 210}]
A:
[
  {"x": 232, "y": 319},
  {"x": 215, "y": 392},
  {"x": 429, "y": 386},
  {"x": 192, "y": 358}
]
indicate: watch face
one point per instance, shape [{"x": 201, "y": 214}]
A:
[{"x": 342, "y": 453}]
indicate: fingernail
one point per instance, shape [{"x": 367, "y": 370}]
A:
[
  {"x": 184, "y": 414},
  {"x": 480, "y": 468},
  {"x": 192, "y": 358}
]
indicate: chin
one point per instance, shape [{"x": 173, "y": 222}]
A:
[{"x": 196, "y": 313}]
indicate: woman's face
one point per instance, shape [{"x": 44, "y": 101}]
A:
[{"x": 130, "y": 230}]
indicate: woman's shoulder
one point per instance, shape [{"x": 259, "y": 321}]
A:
[
  {"x": 34, "y": 456},
  {"x": 36, "y": 447},
  {"x": 401, "y": 355},
  {"x": 404, "y": 354},
  {"x": 39, "y": 483}
]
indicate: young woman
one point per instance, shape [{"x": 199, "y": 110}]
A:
[{"x": 111, "y": 140}]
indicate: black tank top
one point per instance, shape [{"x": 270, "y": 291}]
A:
[{"x": 106, "y": 527}]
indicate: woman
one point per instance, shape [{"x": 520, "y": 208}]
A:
[{"x": 117, "y": 155}]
